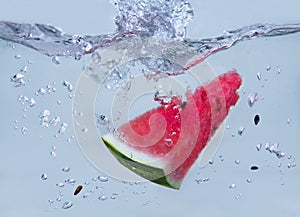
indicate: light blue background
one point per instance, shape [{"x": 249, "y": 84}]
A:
[{"x": 25, "y": 157}]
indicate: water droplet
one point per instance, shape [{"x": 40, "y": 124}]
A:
[
  {"x": 249, "y": 180},
  {"x": 258, "y": 147},
  {"x": 44, "y": 177},
  {"x": 102, "y": 197},
  {"x": 268, "y": 68},
  {"x": 67, "y": 205},
  {"x": 232, "y": 186},
  {"x": 86, "y": 182},
  {"x": 241, "y": 130},
  {"x": 66, "y": 169},
  {"x": 288, "y": 121},
  {"x": 55, "y": 60},
  {"x": 211, "y": 162},
  {"x": 102, "y": 178},
  {"x": 58, "y": 102},
  {"x": 237, "y": 162}
]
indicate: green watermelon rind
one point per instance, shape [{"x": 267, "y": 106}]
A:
[{"x": 153, "y": 174}]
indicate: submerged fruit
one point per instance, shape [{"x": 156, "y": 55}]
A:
[{"x": 162, "y": 144}]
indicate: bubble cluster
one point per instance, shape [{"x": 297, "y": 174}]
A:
[{"x": 154, "y": 17}]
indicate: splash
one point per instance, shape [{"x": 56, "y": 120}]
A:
[{"x": 137, "y": 18}]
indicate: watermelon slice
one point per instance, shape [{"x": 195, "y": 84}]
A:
[{"x": 162, "y": 144}]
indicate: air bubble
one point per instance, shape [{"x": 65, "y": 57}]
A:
[
  {"x": 67, "y": 205},
  {"x": 54, "y": 121},
  {"x": 44, "y": 177},
  {"x": 24, "y": 69},
  {"x": 102, "y": 197},
  {"x": 53, "y": 154},
  {"x": 114, "y": 196},
  {"x": 61, "y": 185},
  {"x": 24, "y": 130},
  {"x": 63, "y": 128},
  {"x": 66, "y": 169},
  {"x": 68, "y": 85},
  {"x": 70, "y": 181},
  {"x": 252, "y": 98},
  {"x": 168, "y": 142},
  {"x": 232, "y": 186},
  {"x": 18, "y": 80},
  {"x": 258, "y": 75},
  {"x": 18, "y": 56},
  {"x": 55, "y": 60},
  {"x": 102, "y": 178},
  {"x": 258, "y": 147},
  {"x": 84, "y": 130},
  {"x": 241, "y": 130}
]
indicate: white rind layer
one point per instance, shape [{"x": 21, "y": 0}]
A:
[{"x": 134, "y": 154}]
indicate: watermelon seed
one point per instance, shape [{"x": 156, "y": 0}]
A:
[
  {"x": 254, "y": 167},
  {"x": 256, "y": 119}
]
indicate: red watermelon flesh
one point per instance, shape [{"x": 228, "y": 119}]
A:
[{"x": 162, "y": 144}]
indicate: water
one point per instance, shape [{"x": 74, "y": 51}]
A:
[
  {"x": 51, "y": 107},
  {"x": 54, "y": 42}
]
